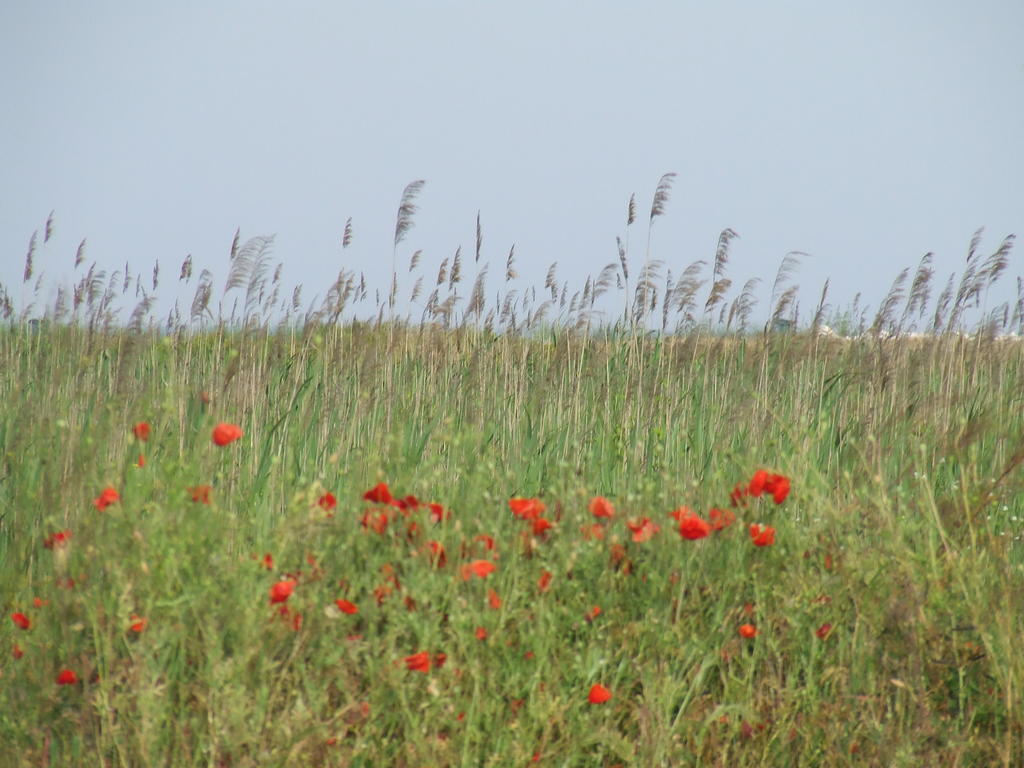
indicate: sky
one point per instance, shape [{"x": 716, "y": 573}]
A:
[{"x": 862, "y": 134}]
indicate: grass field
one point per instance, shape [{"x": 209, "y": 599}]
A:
[{"x": 881, "y": 626}]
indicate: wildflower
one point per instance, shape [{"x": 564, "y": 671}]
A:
[
  {"x": 440, "y": 659},
  {"x": 268, "y": 561},
  {"x": 493, "y": 600},
  {"x": 823, "y": 631},
  {"x": 141, "y": 431},
  {"x": 540, "y": 525},
  {"x": 141, "y": 462},
  {"x": 692, "y": 527},
  {"x": 592, "y": 614},
  {"x": 379, "y": 494},
  {"x": 438, "y": 513},
  {"x": 107, "y": 497},
  {"x": 764, "y": 482},
  {"x": 778, "y": 487},
  {"x": 17, "y": 651},
  {"x": 378, "y": 523},
  {"x": 418, "y": 662},
  {"x": 346, "y": 607},
  {"x": 601, "y": 507},
  {"x": 409, "y": 502},
  {"x": 488, "y": 541},
  {"x": 281, "y": 591},
  {"x": 762, "y": 536},
  {"x": 545, "y": 581},
  {"x": 226, "y": 433},
  {"x": 737, "y": 494},
  {"x": 721, "y": 518},
  {"x": 479, "y": 568},
  {"x": 599, "y": 694},
  {"x": 327, "y": 502},
  {"x": 57, "y": 540},
  {"x": 481, "y": 633},
  {"x": 67, "y": 677},
  {"x": 748, "y": 631},
  {"x": 526, "y": 509},
  {"x": 757, "y": 483},
  {"x": 437, "y": 554},
  {"x": 38, "y": 602},
  {"x": 201, "y": 494},
  {"x": 138, "y": 624},
  {"x": 21, "y": 620},
  {"x": 643, "y": 529},
  {"x": 592, "y": 531}
]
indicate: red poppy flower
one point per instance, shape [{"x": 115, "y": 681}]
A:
[
  {"x": 479, "y": 568},
  {"x": 592, "y": 614},
  {"x": 599, "y": 694},
  {"x": 201, "y": 494},
  {"x": 643, "y": 529},
  {"x": 418, "y": 662},
  {"x": 378, "y": 523},
  {"x": 540, "y": 525},
  {"x": 488, "y": 541},
  {"x": 526, "y": 509},
  {"x": 268, "y": 561},
  {"x": 493, "y": 600},
  {"x": 138, "y": 624},
  {"x": 823, "y": 631},
  {"x": 409, "y": 502},
  {"x": 281, "y": 591},
  {"x": 737, "y": 495},
  {"x": 327, "y": 502},
  {"x": 692, "y": 527},
  {"x": 721, "y": 518},
  {"x": 601, "y": 507},
  {"x": 748, "y": 631},
  {"x": 67, "y": 677},
  {"x": 545, "y": 581},
  {"x": 346, "y": 607},
  {"x": 593, "y": 531},
  {"x": 440, "y": 659},
  {"x": 107, "y": 497},
  {"x": 757, "y": 483},
  {"x": 226, "y": 433},
  {"x": 38, "y": 602},
  {"x": 778, "y": 487},
  {"x": 437, "y": 554},
  {"x": 57, "y": 540},
  {"x": 18, "y": 652},
  {"x": 438, "y": 513},
  {"x": 481, "y": 633},
  {"x": 141, "y": 462},
  {"x": 762, "y": 536},
  {"x": 21, "y": 620},
  {"x": 379, "y": 494},
  {"x": 141, "y": 431}
]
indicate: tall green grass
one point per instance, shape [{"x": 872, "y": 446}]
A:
[{"x": 903, "y": 531}]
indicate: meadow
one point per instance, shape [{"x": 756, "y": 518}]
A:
[
  {"x": 879, "y": 626},
  {"x": 508, "y": 534}
]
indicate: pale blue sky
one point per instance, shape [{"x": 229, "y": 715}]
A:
[{"x": 864, "y": 133}]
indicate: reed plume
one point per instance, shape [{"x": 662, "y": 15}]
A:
[
  {"x": 30, "y": 256},
  {"x": 479, "y": 238}
]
